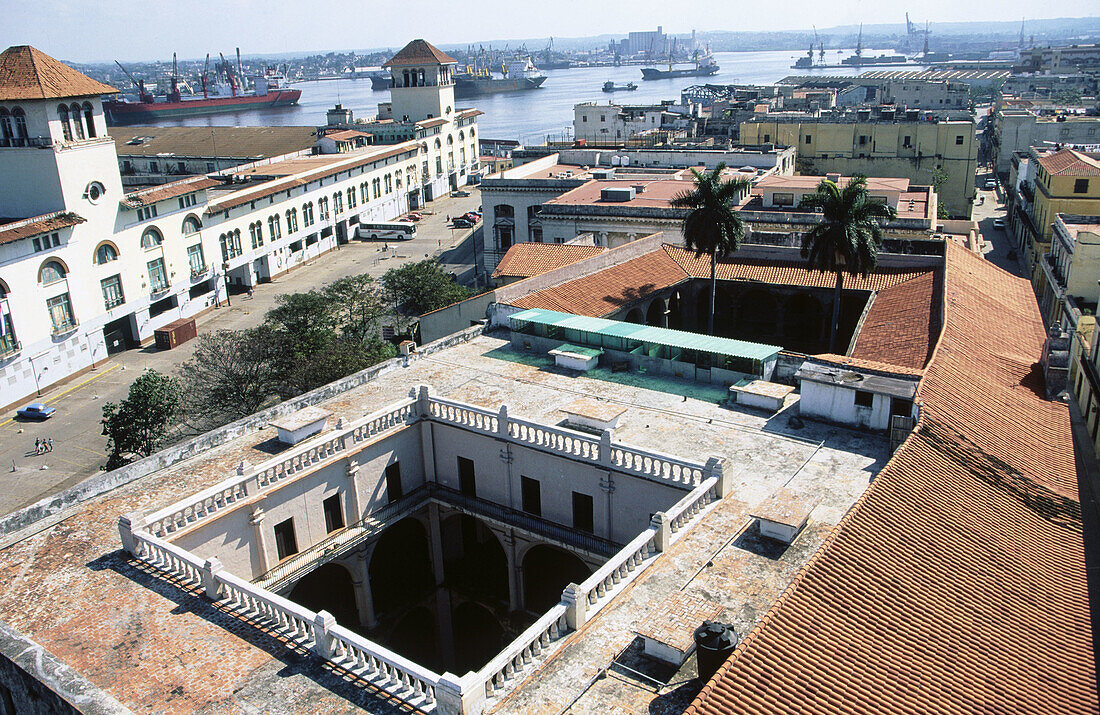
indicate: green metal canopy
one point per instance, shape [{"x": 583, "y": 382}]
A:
[{"x": 647, "y": 334}]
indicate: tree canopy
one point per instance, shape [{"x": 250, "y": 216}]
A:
[
  {"x": 140, "y": 424},
  {"x": 423, "y": 286}
]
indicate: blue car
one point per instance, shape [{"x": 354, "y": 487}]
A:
[{"x": 36, "y": 411}]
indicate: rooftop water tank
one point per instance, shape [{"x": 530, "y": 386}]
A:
[{"x": 714, "y": 644}]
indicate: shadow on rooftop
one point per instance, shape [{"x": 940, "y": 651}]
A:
[
  {"x": 1088, "y": 489},
  {"x": 632, "y": 294},
  {"x": 753, "y": 542},
  {"x": 296, "y": 660}
]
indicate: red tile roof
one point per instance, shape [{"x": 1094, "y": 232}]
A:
[
  {"x": 956, "y": 584},
  {"x": 151, "y": 195},
  {"x": 1069, "y": 162},
  {"x": 346, "y": 134},
  {"x": 862, "y": 364},
  {"x": 532, "y": 259},
  {"x": 27, "y": 73},
  {"x": 903, "y": 323},
  {"x": 419, "y": 52},
  {"x": 603, "y": 292},
  {"x": 37, "y": 226}
]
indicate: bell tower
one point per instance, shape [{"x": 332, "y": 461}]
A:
[{"x": 421, "y": 83}]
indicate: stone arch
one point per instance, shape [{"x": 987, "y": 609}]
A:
[
  {"x": 803, "y": 321},
  {"x": 478, "y": 636},
  {"x": 400, "y": 568},
  {"x": 655, "y": 315},
  {"x": 635, "y": 316},
  {"x": 675, "y": 311},
  {"x": 4, "y": 290},
  {"x": 328, "y": 588},
  {"x": 546, "y": 571},
  {"x": 191, "y": 224},
  {"x": 757, "y": 314},
  {"x": 473, "y": 558},
  {"x": 52, "y": 270},
  {"x": 105, "y": 252}
]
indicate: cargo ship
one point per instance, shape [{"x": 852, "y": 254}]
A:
[
  {"x": 516, "y": 76},
  {"x": 704, "y": 67},
  {"x": 267, "y": 92},
  {"x": 610, "y": 86}
]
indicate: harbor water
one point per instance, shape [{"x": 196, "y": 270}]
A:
[{"x": 536, "y": 115}]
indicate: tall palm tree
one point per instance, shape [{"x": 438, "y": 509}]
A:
[
  {"x": 712, "y": 226},
  {"x": 847, "y": 238}
]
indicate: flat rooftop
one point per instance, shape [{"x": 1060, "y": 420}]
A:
[
  {"x": 153, "y": 646},
  {"x": 236, "y": 142}
]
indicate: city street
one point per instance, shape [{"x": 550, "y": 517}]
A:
[
  {"x": 78, "y": 445},
  {"x": 997, "y": 242}
]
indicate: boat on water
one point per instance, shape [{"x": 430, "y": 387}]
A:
[
  {"x": 610, "y": 86},
  {"x": 704, "y": 67},
  {"x": 379, "y": 78},
  {"x": 268, "y": 91},
  {"x": 516, "y": 76},
  {"x": 861, "y": 61}
]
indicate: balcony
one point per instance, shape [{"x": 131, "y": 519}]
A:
[
  {"x": 18, "y": 142},
  {"x": 158, "y": 290},
  {"x": 114, "y": 303},
  {"x": 9, "y": 347},
  {"x": 199, "y": 271},
  {"x": 64, "y": 328}
]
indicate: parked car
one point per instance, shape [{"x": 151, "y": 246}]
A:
[
  {"x": 460, "y": 193},
  {"x": 473, "y": 216},
  {"x": 991, "y": 185},
  {"x": 36, "y": 411},
  {"x": 461, "y": 222},
  {"x": 999, "y": 223},
  {"x": 412, "y": 216}
]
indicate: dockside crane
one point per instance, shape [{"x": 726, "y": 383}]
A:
[
  {"x": 228, "y": 69},
  {"x": 143, "y": 96},
  {"x": 174, "y": 95},
  {"x": 205, "y": 74}
]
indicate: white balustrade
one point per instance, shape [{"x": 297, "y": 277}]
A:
[
  {"x": 169, "y": 558},
  {"x": 385, "y": 669},
  {"x": 555, "y": 439},
  {"x": 685, "y": 510},
  {"x": 656, "y": 465},
  {"x": 621, "y": 567},
  {"x": 458, "y": 413},
  {"x": 525, "y": 648}
]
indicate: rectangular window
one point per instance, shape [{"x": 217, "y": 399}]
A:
[
  {"x": 285, "y": 542},
  {"x": 907, "y": 141},
  {"x": 862, "y": 139},
  {"x": 334, "y": 513},
  {"x": 531, "y": 495},
  {"x": 393, "y": 482},
  {"x": 8, "y": 343},
  {"x": 809, "y": 138},
  {"x": 767, "y": 138},
  {"x": 783, "y": 199},
  {"x": 959, "y": 140},
  {"x": 902, "y": 407},
  {"x": 112, "y": 292},
  {"x": 61, "y": 312},
  {"x": 1080, "y": 186},
  {"x": 582, "y": 512},
  {"x": 864, "y": 398},
  {"x": 196, "y": 260},
  {"x": 466, "y": 483},
  {"x": 158, "y": 278}
]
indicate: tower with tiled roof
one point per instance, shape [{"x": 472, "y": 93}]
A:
[
  {"x": 55, "y": 154},
  {"x": 422, "y": 85}
]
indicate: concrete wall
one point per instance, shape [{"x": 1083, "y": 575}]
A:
[
  {"x": 459, "y": 316},
  {"x": 834, "y": 403}
]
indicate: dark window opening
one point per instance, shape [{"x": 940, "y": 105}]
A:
[
  {"x": 334, "y": 513},
  {"x": 466, "y": 482},
  {"x": 162, "y": 306},
  {"x": 582, "y": 512},
  {"x": 531, "y": 495},
  {"x": 1081, "y": 186},
  {"x": 959, "y": 140},
  {"x": 285, "y": 543},
  {"x": 864, "y": 398},
  {"x": 393, "y": 481},
  {"x": 901, "y": 407}
]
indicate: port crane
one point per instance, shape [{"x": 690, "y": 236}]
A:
[{"x": 140, "y": 84}]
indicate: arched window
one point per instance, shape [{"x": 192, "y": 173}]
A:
[
  {"x": 450, "y": 140},
  {"x": 191, "y": 225},
  {"x": 66, "y": 128},
  {"x": 151, "y": 238},
  {"x": 438, "y": 143},
  {"x": 87, "y": 108},
  {"x": 77, "y": 124},
  {"x": 20, "y": 120},
  {"x": 105, "y": 254},
  {"x": 51, "y": 272},
  {"x": 472, "y": 133},
  {"x": 5, "y": 124},
  {"x": 461, "y": 135}
]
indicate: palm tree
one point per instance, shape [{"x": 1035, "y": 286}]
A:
[
  {"x": 712, "y": 226},
  {"x": 848, "y": 237}
]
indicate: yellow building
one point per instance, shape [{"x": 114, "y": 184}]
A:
[
  {"x": 1066, "y": 182},
  {"x": 942, "y": 153}
]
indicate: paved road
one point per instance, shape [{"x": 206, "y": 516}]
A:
[
  {"x": 997, "y": 242},
  {"x": 79, "y": 446}
]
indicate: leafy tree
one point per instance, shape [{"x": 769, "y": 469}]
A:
[
  {"x": 423, "y": 286},
  {"x": 939, "y": 179},
  {"x": 357, "y": 306},
  {"x": 847, "y": 238},
  {"x": 712, "y": 226},
  {"x": 139, "y": 425},
  {"x": 231, "y": 375}
]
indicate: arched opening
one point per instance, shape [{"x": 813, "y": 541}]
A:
[
  {"x": 191, "y": 224},
  {"x": 329, "y": 588},
  {"x": 655, "y": 316},
  {"x": 416, "y": 636},
  {"x": 66, "y": 128},
  {"x": 20, "y": 121},
  {"x": 757, "y": 315},
  {"x": 803, "y": 323},
  {"x": 546, "y": 571},
  {"x": 105, "y": 253},
  {"x": 5, "y": 125},
  {"x": 51, "y": 272},
  {"x": 635, "y": 316},
  {"x": 473, "y": 559},
  {"x": 88, "y": 120},
  {"x": 151, "y": 238},
  {"x": 675, "y": 312},
  {"x": 478, "y": 636},
  {"x": 77, "y": 124},
  {"x": 400, "y": 569}
]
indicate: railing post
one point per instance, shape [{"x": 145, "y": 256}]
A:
[
  {"x": 715, "y": 467},
  {"x": 576, "y": 612},
  {"x": 210, "y": 571},
  {"x": 502, "y": 421},
  {"x": 605, "y": 447},
  {"x": 322, "y": 641},
  {"x": 423, "y": 400},
  {"x": 459, "y": 696},
  {"x": 663, "y": 538},
  {"x": 127, "y": 525}
]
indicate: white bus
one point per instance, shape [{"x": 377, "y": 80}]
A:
[{"x": 385, "y": 230}]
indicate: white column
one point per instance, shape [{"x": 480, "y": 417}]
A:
[
  {"x": 515, "y": 590},
  {"x": 435, "y": 536},
  {"x": 354, "y": 505},
  {"x": 259, "y": 540},
  {"x": 364, "y": 599}
]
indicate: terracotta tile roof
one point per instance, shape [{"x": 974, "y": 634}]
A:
[
  {"x": 956, "y": 584},
  {"x": 429, "y": 123},
  {"x": 903, "y": 323},
  {"x": 419, "y": 52},
  {"x": 1069, "y": 162},
  {"x": 785, "y": 272},
  {"x": 860, "y": 363},
  {"x": 346, "y": 134},
  {"x": 464, "y": 113},
  {"x": 532, "y": 259},
  {"x": 37, "y": 226},
  {"x": 144, "y": 197},
  {"x": 27, "y": 73},
  {"x": 604, "y": 292}
]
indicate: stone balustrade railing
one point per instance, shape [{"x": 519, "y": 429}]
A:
[
  {"x": 250, "y": 481},
  {"x": 525, "y": 648},
  {"x": 685, "y": 510}
]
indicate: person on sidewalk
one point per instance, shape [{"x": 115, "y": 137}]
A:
[
  {"x": 37, "y": 445},
  {"x": 49, "y": 444}
]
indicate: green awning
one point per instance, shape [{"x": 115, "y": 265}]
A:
[{"x": 649, "y": 334}]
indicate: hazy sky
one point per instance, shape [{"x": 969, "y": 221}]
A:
[{"x": 103, "y": 30}]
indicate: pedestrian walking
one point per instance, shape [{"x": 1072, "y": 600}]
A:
[
  {"x": 49, "y": 444},
  {"x": 251, "y": 290},
  {"x": 37, "y": 445}
]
